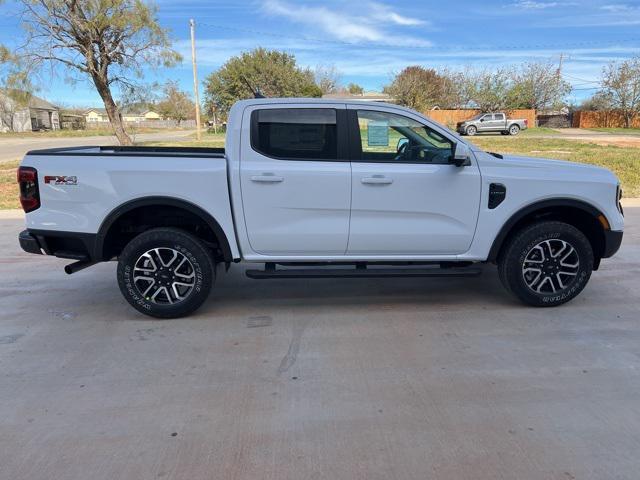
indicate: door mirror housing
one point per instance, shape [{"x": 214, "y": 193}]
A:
[{"x": 461, "y": 155}]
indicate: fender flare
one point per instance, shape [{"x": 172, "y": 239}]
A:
[
  {"x": 531, "y": 208},
  {"x": 122, "y": 209}
]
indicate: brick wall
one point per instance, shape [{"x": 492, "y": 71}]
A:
[
  {"x": 603, "y": 119},
  {"x": 451, "y": 117}
]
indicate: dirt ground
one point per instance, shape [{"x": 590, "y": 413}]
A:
[{"x": 341, "y": 379}]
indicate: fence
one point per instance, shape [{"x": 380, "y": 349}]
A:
[
  {"x": 451, "y": 117},
  {"x": 601, "y": 119},
  {"x": 145, "y": 124}
]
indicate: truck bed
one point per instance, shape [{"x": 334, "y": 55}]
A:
[{"x": 129, "y": 151}]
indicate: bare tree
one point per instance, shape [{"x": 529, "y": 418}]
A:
[
  {"x": 327, "y": 78},
  {"x": 621, "y": 85},
  {"x": 105, "y": 41},
  {"x": 538, "y": 85}
]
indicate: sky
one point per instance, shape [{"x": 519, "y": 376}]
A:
[{"x": 369, "y": 41}]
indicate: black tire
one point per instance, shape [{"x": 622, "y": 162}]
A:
[
  {"x": 176, "y": 290},
  {"x": 514, "y": 129},
  {"x": 471, "y": 130},
  {"x": 539, "y": 267}
]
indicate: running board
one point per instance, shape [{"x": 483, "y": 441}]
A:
[{"x": 362, "y": 272}]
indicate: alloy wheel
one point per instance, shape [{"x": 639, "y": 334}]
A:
[
  {"x": 164, "y": 276},
  {"x": 551, "y": 266}
]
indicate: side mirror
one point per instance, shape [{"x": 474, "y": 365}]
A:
[
  {"x": 461, "y": 155},
  {"x": 401, "y": 143}
]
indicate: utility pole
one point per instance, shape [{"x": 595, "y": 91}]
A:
[{"x": 192, "y": 24}]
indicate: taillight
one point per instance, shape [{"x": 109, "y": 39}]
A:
[
  {"x": 29, "y": 193},
  {"x": 526, "y": 122}
]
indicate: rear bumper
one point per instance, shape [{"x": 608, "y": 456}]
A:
[
  {"x": 29, "y": 243},
  {"x": 612, "y": 241},
  {"x": 70, "y": 245}
]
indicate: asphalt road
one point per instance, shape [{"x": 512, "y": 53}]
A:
[
  {"x": 318, "y": 379},
  {"x": 12, "y": 147}
]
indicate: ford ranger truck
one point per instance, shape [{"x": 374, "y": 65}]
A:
[
  {"x": 492, "y": 122},
  {"x": 310, "y": 188}
]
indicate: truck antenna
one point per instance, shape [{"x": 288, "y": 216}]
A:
[{"x": 256, "y": 91}]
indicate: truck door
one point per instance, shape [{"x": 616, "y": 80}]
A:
[
  {"x": 295, "y": 178},
  {"x": 486, "y": 123},
  {"x": 406, "y": 197},
  {"x": 499, "y": 121}
]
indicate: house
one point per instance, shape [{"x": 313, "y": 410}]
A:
[
  {"x": 37, "y": 115},
  {"x": 95, "y": 116}
]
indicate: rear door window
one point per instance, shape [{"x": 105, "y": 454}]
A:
[{"x": 295, "y": 133}]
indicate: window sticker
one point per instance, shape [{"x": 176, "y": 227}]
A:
[{"x": 378, "y": 133}]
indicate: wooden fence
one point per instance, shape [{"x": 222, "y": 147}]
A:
[
  {"x": 451, "y": 117},
  {"x": 601, "y": 119}
]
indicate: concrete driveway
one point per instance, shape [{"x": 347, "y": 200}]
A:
[
  {"x": 341, "y": 379},
  {"x": 12, "y": 147}
]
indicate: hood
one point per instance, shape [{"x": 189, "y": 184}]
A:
[{"x": 554, "y": 168}]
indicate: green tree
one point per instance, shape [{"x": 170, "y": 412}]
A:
[
  {"x": 105, "y": 41},
  {"x": 489, "y": 90},
  {"x": 273, "y": 73},
  {"x": 175, "y": 103},
  {"x": 621, "y": 85},
  {"x": 355, "y": 89},
  {"x": 417, "y": 87}
]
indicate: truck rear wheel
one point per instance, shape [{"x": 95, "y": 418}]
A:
[
  {"x": 514, "y": 129},
  {"x": 546, "y": 264},
  {"x": 165, "y": 273}
]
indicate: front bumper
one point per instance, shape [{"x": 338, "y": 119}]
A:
[
  {"x": 612, "y": 241},
  {"x": 29, "y": 243}
]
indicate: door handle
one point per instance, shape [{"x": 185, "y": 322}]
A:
[
  {"x": 377, "y": 180},
  {"x": 267, "y": 178}
]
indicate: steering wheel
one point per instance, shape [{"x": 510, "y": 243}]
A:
[{"x": 401, "y": 152}]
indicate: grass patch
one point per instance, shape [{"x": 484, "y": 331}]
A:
[
  {"x": 8, "y": 185},
  {"x": 623, "y": 161},
  {"x": 622, "y": 131}
]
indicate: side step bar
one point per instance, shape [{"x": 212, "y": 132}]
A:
[{"x": 271, "y": 272}]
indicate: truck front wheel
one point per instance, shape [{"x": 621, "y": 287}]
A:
[
  {"x": 471, "y": 130},
  {"x": 165, "y": 273},
  {"x": 546, "y": 263}
]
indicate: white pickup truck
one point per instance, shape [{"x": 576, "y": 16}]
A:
[{"x": 317, "y": 189}]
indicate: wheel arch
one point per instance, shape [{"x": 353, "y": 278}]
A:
[
  {"x": 578, "y": 213},
  {"x": 111, "y": 220}
]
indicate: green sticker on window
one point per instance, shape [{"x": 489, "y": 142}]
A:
[{"x": 378, "y": 133}]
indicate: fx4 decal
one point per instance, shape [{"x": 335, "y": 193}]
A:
[{"x": 60, "y": 180}]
